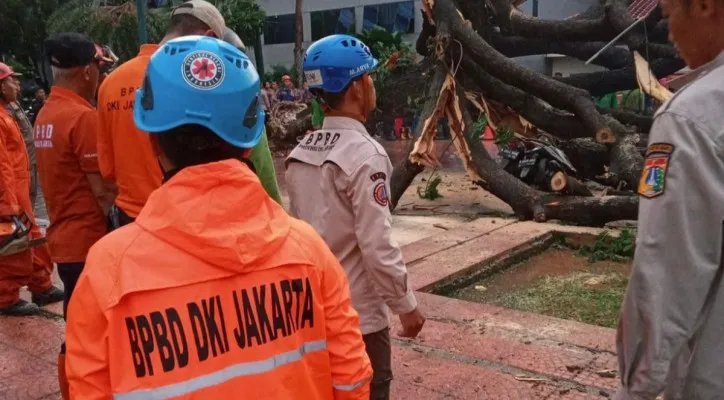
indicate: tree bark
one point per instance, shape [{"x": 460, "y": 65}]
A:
[
  {"x": 604, "y": 82},
  {"x": 298, "y": 39}
]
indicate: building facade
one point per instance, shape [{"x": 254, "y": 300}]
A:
[{"x": 326, "y": 17}]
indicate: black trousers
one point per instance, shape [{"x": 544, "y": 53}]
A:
[
  {"x": 117, "y": 218},
  {"x": 379, "y": 350},
  {"x": 69, "y": 274}
]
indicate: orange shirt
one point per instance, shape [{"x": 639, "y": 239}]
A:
[
  {"x": 14, "y": 169},
  {"x": 65, "y": 142},
  {"x": 125, "y": 154}
]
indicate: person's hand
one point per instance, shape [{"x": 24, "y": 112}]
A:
[{"x": 412, "y": 323}]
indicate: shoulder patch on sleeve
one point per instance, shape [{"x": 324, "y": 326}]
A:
[
  {"x": 656, "y": 165},
  {"x": 380, "y": 194},
  {"x": 378, "y": 176}
]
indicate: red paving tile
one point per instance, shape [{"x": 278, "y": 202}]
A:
[
  {"x": 603, "y": 373},
  {"x": 38, "y": 336},
  {"x": 468, "y": 341},
  {"x": 519, "y": 324},
  {"x": 30, "y": 386},
  {"x": 439, "y": 379}
]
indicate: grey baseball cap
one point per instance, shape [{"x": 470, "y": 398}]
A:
[{"x": 204, "y": 12}]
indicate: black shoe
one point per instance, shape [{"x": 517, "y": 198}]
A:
[
  {"x": 20, "y": 309},
  {"x": 52, "y": 295}
]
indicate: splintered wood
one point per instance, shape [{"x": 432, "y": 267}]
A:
[
  {"x": 424, "y": 150},
  {"x": 499, "y": 115},
  {"x": 427, "y": 6},
  {"x": 648, "y": 82}
]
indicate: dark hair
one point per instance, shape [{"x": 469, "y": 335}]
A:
[
  {"x": 190, "y": 145},
  {"x": 333, "y": 100},
  {"x": 185, "y": 24}
]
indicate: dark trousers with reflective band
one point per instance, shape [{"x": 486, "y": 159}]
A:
[
  {"x": 379, "y": 351},
  {"x": 69, "y": 274}
]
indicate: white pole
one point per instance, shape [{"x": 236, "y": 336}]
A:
[{"x": 609, "y": 44}]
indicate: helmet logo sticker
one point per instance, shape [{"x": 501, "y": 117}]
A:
[
  {"x": 314, "y": 77},
  {"x": 203, "y": 70}
]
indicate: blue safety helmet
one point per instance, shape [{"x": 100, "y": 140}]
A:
[
  {"x": 204, "y": 81},
  {"x": 331, "y": 63}
]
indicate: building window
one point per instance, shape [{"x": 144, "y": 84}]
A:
[
  {"x": 280, "y": 29},
  {"x": 392, "y": 17},
  {"x": 329, "y": 22}
]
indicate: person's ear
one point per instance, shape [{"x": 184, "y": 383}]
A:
[
  {"x": 211, "y": 33},
  {"x": 358, "y": 88}
]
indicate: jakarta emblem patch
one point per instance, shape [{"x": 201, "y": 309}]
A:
[
  {"x": 203, "y": 70},
  {"x": 656, "y": 165}
]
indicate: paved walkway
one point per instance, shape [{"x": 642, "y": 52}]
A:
[{"x": 466, "y": 351}]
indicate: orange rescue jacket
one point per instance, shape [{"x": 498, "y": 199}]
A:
[{"x": 212, "y": 293}]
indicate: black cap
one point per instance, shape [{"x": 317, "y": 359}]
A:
[{"x": 70, "y": 50}]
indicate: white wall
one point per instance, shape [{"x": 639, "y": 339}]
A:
[{"x": 568, "y": 66}]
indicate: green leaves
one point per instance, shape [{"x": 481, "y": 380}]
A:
[
  {"x": 430, "y": 192},
  {"x": 115, "y": 25},
  {"x": 607, "y": 247},
  {"x": 23, "y": 28},
  {"x": 504, "y": 135},
  {"x": 479, "y": 127},
  {"x": 244, "y": 17}
]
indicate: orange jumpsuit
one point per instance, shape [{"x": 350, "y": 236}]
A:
[
  {"x": 31, "y": 267},
  {"x": 214, "y": 292}
]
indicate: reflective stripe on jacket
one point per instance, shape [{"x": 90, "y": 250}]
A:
[
  {"x": 212, "y": 293},
  {"x": 338, "y": 180}
]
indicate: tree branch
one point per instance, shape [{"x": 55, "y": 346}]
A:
[
  {"x": 514, "y": 22},
  {"x": 604, "y": 82},
  {"x": 556, "y": 93},
  {"x": 554, "y": 121}
]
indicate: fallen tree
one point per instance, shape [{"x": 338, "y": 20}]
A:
[{"x": 471, "y": 42}]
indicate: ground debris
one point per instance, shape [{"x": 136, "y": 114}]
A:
[
  {"x": 441, "y": 226},
  {"x": 418, "y": 379},
  {"x": 574, "y": 368},
  {"x": 564, "y": 391},
  {"x": 607, "y": 373},
  {"x": 524, "y": 378},
  {"x": 480, "y": 288}
]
